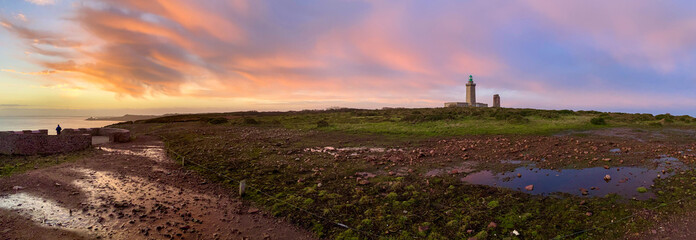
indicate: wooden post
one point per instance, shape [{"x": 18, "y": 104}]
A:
[{"x": 242, "y": 187}]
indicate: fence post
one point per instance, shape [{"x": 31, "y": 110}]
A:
[{"x": 242, "y": 187}]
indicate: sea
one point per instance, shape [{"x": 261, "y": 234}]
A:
[{"x": 48, "y": 122}]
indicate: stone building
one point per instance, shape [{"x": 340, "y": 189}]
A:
[
  {"x": 496, "y": 100},
  {"x": 470, "y": 97}
]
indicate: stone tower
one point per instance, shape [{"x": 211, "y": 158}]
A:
[
  {"x": 496, "y": 100},
  {"x": 471, "y": 92}
]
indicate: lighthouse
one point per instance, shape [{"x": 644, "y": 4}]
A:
[
  {"x": 471, "y": 92},
  {"x": 471, "y": 97}
]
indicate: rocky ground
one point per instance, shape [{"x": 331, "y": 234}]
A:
[
  {"x": 128, "y": 191},
  {"x": 133, "y": 191}
]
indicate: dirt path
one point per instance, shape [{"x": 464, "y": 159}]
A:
[{"x": 128, "y": 191}]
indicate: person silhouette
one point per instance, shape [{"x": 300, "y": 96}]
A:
[{"x": 58, "y": 129}]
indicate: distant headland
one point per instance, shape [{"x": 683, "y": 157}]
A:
[{"x": 127, "y": 117}]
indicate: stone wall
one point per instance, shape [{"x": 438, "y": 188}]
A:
[
  {"x": 33, "y": 144},
  {"x": 39, "y": 142}
]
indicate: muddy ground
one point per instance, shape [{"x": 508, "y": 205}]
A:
[{"x": 128, "y": 191}]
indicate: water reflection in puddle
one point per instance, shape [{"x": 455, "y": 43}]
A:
[
  {"x": 44, "y": 211},
  {"x": 334, "y": 151},
  {"x": 156, "y": 153},
  {"x": 624, "y": 180},
  {"x": 466, "y": 167},
  {"x": 108, "y": 195}
]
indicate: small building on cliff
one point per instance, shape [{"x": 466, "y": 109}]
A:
[{"x": 471, "y": 97}]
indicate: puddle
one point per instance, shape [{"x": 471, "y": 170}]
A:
[
  {"x": 467, "y": 167},
  {"x": 156, "y": 153},
  {"x": 516, "y": 162},
  {"x": 334, "y": 151},
  {"x": 624, "y": 180},
  {"x": 45, "y": 212},
  {"x": 107, "y": 188},
  {"x": 615, "y": 150},
  {"x": 112, "y": 199},
  {"x": 365, "y": 175}
]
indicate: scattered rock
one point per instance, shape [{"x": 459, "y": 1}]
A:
[
  {"x": 607, "y": 178},
  {"x": 423, "y": 228},
  {"x": 253, "y": 210},
  {"x": 16, "y": 188},
  {"x": 583, "y": 191},
  {"x": 529, "y": 187},
  {"x": 492, "y": 225}
]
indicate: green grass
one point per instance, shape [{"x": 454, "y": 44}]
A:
[
  {"x": 429, "y": 122},
  {"x": 13, "y": 164},
  {"x": 467, "y": 127}
]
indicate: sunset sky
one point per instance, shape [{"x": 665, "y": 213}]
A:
[{"x": 113, "y": 57}]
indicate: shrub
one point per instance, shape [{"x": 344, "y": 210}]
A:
[
  {"x": 663, "y": 116},
  {"x": 250, "y": 121},
  {"x": 493, "y": 204},
  {"x": 684, "y": 118},
  {"x": 517, "y": 119},
  {"x": 218, "y": 120},
  {"x": 655, "y": 124},
  {"x": 549, "y": 115},
  {"x": 598, "y": 121},
  {"x": 566, "y": 112},
  {"x": 322, "y": 123}
]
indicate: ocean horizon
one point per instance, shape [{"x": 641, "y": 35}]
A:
[{"x": 19, "y": 123}]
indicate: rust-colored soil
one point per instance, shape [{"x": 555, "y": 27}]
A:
[{"x": 128, "y": 191}]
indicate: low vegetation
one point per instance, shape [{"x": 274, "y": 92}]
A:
[
  {"x": 12, "y": 164},
  {"x": 379, "y": 196},
  {"x": 429, "y": 122}
]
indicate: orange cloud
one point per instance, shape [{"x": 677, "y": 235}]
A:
[
  {"x": 348, "y": 51},
  {"x": 44, "y": 72}
]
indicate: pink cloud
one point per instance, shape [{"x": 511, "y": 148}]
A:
[
  {"x": 639, "y": 33},
  {"x": 348, "y": 50}
]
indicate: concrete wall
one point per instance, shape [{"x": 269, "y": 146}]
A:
[
  {"x": 456, "y": 104},
  {"x": 115, "y": 134}
]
